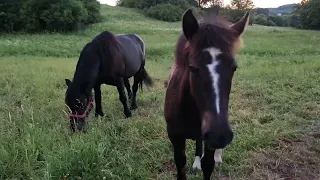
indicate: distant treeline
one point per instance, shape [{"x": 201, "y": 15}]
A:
[
  {"x": 172, "y": 10},
  {"x": 304, "y": 15},
  {"x": 69, "y": 15},
  {"x": 47, "y": 15}
]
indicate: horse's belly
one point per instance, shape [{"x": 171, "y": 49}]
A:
[
  {"x": 133, "y": 64},
  {"x": 133, "y": 55}
]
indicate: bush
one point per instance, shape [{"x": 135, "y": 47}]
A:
[
  {"x": 309, "y": 14},
  {"x": 271, "y": 23},
  {"x": 165, "y": 12},
  {"x": 278, "y": 20},
  {"x": 93, "y": 8},
  {"x": 10, "y": 18},
  {"x": 234, "y": 15},
  {"x": 47, "y": 15},
  {"x": 261, "y": 19},
  {"x": 294, "y": 21}
]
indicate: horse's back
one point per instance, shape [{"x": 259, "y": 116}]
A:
[{"x": 133, "y": 51}]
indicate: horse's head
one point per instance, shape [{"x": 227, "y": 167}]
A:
[
  {"x": 212, "y": 47},
  {"x": 79, "y": 106}
]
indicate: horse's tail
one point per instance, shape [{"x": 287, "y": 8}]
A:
[{"x": 144, "y": 78}]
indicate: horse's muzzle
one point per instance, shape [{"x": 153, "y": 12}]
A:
[
  {"x": 218, "y": 140},
  {"x": 78, "y": 124}
]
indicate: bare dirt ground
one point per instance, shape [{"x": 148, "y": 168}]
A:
[{"x": 289, "y": 159}]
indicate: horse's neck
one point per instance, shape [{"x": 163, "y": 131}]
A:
[
  {"x": 85, "y": 77},
  {"x": 180, "y": 78}
]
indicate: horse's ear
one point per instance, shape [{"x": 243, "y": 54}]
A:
[
  {"x": 68, "y": 82},
  {"x": 189, "y": 24},
  {"x": 242, "y": 24}
]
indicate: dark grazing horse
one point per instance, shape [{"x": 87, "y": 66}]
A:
[
  {"x": 108, "y": 59},
  {"x": 197, "y": 95}
]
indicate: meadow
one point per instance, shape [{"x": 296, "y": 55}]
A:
[{"x": 274, "y": 107}]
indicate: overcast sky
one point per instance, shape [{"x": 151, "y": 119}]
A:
[{"x": 258, "y": 3}]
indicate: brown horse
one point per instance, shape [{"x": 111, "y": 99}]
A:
[{"x": 197, "y": 97}]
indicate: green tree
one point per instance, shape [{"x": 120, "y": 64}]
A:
[
  {"x": 166, "y": 10},
  {"x": 264, "y": 11},
  {"x": 242, "y": 4},
  {"x": 278, "y": 20},
  {"x": 47, "y": 15},
  {"x": 309, "y": 14},
  {"x": 209, "y": 3}
]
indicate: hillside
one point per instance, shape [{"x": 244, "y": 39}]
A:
[
  {"x": 274, "y": 108},
  {"x": 287, "y": 8}
]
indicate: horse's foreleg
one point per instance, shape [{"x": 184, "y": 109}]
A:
[
  {"x": 179, "y": 146},
  {"x": 207, "y": 163},
  {"x": 127, "y": 85},
  {"x": 97, "y": 96},
  {"x": 198, "y": 155},
  {"x": 218, "y": 157},
  {"x": 134, "y": 94},
  {"x": 123, "y": 99}
]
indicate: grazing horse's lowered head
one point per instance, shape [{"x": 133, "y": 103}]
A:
[
  {"x": 198, "y": 89},
  {"x": 97, "y": 57},
  {"x": 79, "y": 106}
]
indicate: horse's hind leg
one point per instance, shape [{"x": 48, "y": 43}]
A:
[
  {"x": 127, "y": 85},
  {"x": 123, "y": 98},
  {"x": 198, "y": 155},
  {"x": 97, "y": 96},
  {"x": 134, "y": 90}
]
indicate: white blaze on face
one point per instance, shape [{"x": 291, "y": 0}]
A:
[{"x": 214, "y": 52}]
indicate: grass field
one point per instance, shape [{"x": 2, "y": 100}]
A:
[{"x": 274, "y": 108}]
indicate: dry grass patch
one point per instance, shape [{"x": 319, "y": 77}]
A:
[{"x": 295, "y": 159}]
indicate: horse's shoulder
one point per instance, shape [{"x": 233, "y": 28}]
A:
[{"x": 177, "y": 85}]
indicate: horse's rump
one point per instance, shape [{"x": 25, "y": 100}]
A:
[{"x": 133, "y": 57}]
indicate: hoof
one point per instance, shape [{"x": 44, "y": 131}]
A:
[
  {"x": 133, "y": 107},
  {"x": 217, "y": 164},
  {"x": 128, "y": 114},
  {"x": 99, "y": 114}
]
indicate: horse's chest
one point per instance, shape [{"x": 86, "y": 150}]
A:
[
  {"x": 185, "y": 120},
  {"x": 190, "y": 117}
]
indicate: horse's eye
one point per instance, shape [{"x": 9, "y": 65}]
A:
[{"x": 194, "y": 69}]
